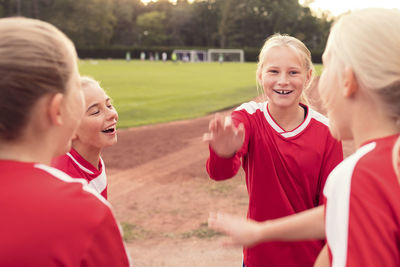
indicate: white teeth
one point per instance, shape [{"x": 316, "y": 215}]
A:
[
  {"x": 283, "y": 92},
  {"x": 109, "y": 129}
]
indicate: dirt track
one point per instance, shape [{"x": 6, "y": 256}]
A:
[
  {"x": 158, "y": 185},
  {"x": 161, "y": 192}
]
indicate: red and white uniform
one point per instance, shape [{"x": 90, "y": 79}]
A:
[
  {"x": 362, "y": 208},
  {"x": 49, "y": 219},
  {"x": 76, "y": 166},
  {"x": 285, "y": 174}
]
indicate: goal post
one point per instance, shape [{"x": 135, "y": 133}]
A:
[
  {"x": 226, "y": 55},
  {"x": 191, "y": 55}
]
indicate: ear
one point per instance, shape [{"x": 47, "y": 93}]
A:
[
  {"x": 55, "y": 109},
  {"x": 308, "y": 76},
  {"x": 259, "y": 74},
  {"x": 350, "y": 83}
]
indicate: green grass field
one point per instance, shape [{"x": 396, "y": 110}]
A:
[{"x": 155, "y": 92}]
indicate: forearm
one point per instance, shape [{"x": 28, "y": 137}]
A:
[
  {"x": 323, "y": 258},
  {"x": 305, "y": 225},
  {"x": 219, "y": 168}
]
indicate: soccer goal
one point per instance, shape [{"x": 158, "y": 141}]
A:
[
  {"x": 191, "y": 55},
  {"x": 226, "y": 55}
]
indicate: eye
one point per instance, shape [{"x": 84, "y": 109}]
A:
[
  {"x": 293, "y": 72},
  {"x": 95, "y": 112},
  {"x": 272, "y": 71},
  {"x": 109, "y": 103}
]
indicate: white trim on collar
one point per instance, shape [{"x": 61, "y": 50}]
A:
[
  {"x": 79, "y": 165},
  {"x": 279, "y": 130}
]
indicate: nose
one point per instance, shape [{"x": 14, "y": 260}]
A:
[
  {"x": 112, "y": 114},
  {"x": 283, "y": 79}
]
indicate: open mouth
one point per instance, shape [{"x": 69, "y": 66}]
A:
[
  {"x": 109, "y": 130},
  {"x": 283, "y": 92}
]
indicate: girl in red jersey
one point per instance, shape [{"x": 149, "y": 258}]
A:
[
  {"x": 96, "y": 131},
  {"x": 360, "y": 87},
  {"x": 48, "y": 218},
  {"x": 284, "y": 146}
]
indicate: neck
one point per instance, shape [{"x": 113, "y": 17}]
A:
[
  {"x": 27, "y": 151},
  {"x": 372, "y": 124},
  {"x": 91, "y": 154},
  {"x": 288, "y": 118}
]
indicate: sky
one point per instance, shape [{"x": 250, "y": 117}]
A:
[{"x": 337, "y": 7}]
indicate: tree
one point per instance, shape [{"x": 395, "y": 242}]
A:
[
  {"x": 204, "y": 23},
  {"x": 87, "y": 23},
  {"x": 125, "y": 30},
  {"x": 152, "y": 28}
]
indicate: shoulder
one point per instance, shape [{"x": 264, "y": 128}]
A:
[
  {"x": 64, "y": 188},
  {"x": 72, "y": 164},
  {"x": 63, "y": 214},
  {"x": 61, "y": 161},
  {"x": 340, "y": 178},
  {"x": 319, "y": 125},
  {"x": 318, "y": 117},
  {"x": 251, "y": 107},
  {"x": 65, "y": 163},
  {"x": 250, "y": 114}
]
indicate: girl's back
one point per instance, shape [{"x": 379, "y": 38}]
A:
[
  {"x": 362, "y": 201},
  {"x": 52, "y": 219}
]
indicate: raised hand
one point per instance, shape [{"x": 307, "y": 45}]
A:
[{"x": 224, "y": 138}]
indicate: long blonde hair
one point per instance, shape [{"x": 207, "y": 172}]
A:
[
  {"x": 283, "y": 40},
  {"x": 35, "y": 59}
]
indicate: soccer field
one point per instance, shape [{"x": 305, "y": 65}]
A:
[{"x": 153, "y": 92}]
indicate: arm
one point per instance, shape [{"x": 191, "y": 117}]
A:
[
  {"x": 305, "y": 225},
  {"x": 323, "y": 258},
  {"x": 224, "y": 140}
]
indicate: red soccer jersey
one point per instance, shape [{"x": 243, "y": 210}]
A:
[
  {"x": 285, "y": 174},
  {"x": 76, "y": 166},
  {"x": 362, "y": 208},
  {"x": 49, "y": 219}
]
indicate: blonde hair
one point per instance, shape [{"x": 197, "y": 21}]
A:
[
  {"x": 283, "y": 40},
  {"x": 35, "y": 59},
  {"x": 87, "y": 81},
  {"x": 368, "y": 41}
]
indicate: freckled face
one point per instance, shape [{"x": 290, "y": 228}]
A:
[{"x": 283, "y": 77}]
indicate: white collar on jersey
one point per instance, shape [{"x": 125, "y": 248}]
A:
[{"x": 82, "y": 167}]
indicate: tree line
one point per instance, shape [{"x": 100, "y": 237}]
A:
[{"x": 202, "y": 23}]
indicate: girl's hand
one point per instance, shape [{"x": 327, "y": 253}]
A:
[
  {"x": 242, "y": 232},
  {"x": 224, "y": 138}
]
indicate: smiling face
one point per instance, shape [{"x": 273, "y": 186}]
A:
[
  {"x": 283, "y": 77},
  {"x": 98, "y": 126}
]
